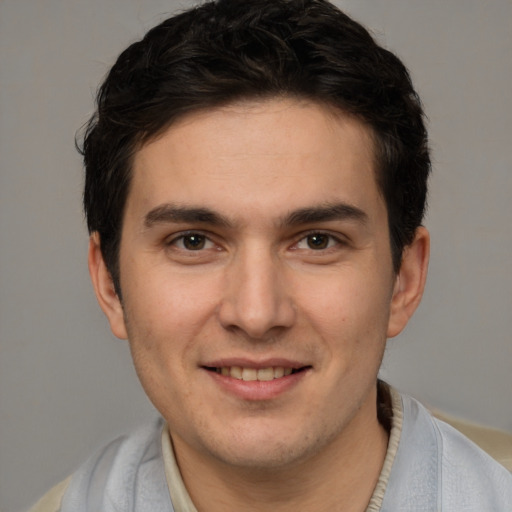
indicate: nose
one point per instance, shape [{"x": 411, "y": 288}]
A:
[{"x": 256, "y": 299}]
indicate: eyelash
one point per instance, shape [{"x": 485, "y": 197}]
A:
[
  {"x": 332, "y": 241},
  {"x": 182, "y": 237}
]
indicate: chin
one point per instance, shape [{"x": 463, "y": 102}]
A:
[{"x": 265, "y": 450}]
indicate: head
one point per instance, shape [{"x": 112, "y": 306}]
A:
[
  {"x": 227, "y": 51},
  {"x": 255, "y": 182}
]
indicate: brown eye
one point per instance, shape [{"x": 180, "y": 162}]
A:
[
  {"x": 318, "y": 241},
  {"x": 194, "y": 242}
]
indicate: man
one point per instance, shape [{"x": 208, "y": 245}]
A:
[{"x": 256, "y": 176}]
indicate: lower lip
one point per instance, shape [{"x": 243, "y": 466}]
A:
[{"x": 255, "y": 390}]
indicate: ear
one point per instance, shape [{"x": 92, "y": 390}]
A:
[
  {"x": 104, "y": 288},
  {"x": 410, "y": 282}
]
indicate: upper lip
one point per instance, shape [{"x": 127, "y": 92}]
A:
[{"x": 245, "y": 362}]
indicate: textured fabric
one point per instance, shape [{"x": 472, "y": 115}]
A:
[
  {"x": 437, "y": 469},
  {"x": 497, "y": 443},
  {"x": 393, "y": 442},
  {"x": 126, "y": 476},
  {"x": 431, "y": 468}
]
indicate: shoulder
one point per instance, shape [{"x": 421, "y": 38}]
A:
[
  {"x": 450, "y": 470},
  {"x": 125, "y": 469},
  {"x": 470, "y": 475}
]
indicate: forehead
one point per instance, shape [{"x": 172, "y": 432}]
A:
[{"x": 272, "y": 156}]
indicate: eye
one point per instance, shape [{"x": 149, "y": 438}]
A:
[
  {"x": 317, "y": 242},
  {"x": 192, "y": 242}
]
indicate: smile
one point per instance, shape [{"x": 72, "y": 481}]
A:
[{"x": 253, "y": 374}]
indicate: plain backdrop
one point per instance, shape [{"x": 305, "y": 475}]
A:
[{"x": 67, "y": 385}]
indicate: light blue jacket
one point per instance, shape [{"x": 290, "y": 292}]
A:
[{"x": 436, "y": 469}]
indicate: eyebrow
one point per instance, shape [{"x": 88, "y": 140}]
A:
[
  {"x": 173, "y": 213},
  {"x": 324, "y": 213}
]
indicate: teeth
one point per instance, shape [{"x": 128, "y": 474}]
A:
[
  {"x": 236, "y": 372},
  {"x": 278, "y": 372},
  {"x": 252, "y": 374},
  {"x": 266, "y": 374},
  {"x": 249, "y": 374}
]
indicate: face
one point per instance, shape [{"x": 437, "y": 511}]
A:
[{"x": 257, "y": 280}]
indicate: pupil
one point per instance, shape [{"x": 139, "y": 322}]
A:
[
  {"x": 318, "y": 241},
  {"x": 194, "y": 242}
]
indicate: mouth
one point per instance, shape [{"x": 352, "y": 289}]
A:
[{"x": 256, "y": 374}]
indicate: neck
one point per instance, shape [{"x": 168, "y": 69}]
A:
[{"x": 341, "y": 477}]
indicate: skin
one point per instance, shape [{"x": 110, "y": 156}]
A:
[{"x": 256, "y": 235}]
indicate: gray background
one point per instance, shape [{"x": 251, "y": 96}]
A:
[{"x": 66, "y": 385}]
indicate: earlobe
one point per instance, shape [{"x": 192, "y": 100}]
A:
[
  {"x": 410, "y": 282},
  {"x": 104, "y": 288}
]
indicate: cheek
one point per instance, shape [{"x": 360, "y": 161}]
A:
[
  {"x": 165, "y": 318},
  {"x": 349, "y": 308},
  {"x": 165, "y": 305},
  {"x": 346, "y": 296}
]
